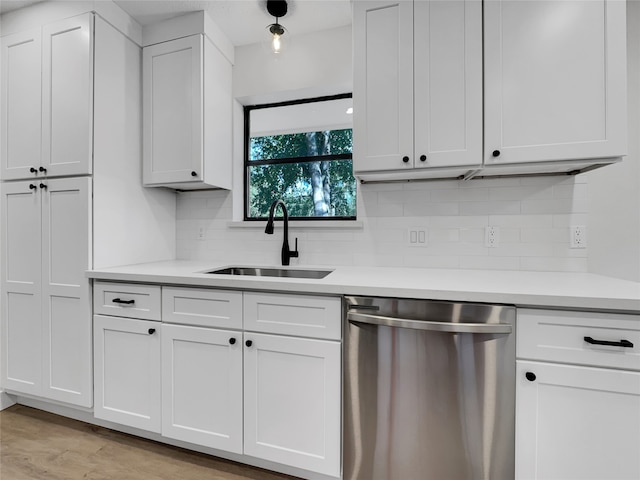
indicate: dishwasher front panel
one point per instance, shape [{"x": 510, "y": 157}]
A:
[{"x": 429, "y": 390}]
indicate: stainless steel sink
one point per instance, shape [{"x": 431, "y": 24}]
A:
[{"x": 272, "y": 272}]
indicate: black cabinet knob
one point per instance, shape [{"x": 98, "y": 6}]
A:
[
  {"x": 232, "y": 341},
  {"x": 33, "y": 170},
  {"x": 423, "y": 158},
  {"x": 43, "y": 170},
  {"x": 530, "y": 376},
  {"x": 32, "y": 186},
  {"x": 405, "y": 159},
  {"x": 194, "y": 174},
  {"x": 496, "y": 153},
  {"x": 248, "y": 343},
  {"x": 42, "y": 185},
  {"x": 152, "y": 331}
]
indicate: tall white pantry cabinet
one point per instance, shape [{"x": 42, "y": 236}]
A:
[{"x": 71, "y": 196}]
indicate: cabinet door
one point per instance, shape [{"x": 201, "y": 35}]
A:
[
  {"x": 448, "y": 83},
  {"x": 21, "y": 333},
  {"x": 172, "y": 111},
  {"x": 383, "y": 80},
  {"x": 577, "y": 423},
  {"x": 555, "y": 80},
  {"x": 67, "y": 96},
  {"x": 66, "y": 311},
  {"x": 127, "y": 372},
  {"x": 292, "y": 401},
  {"x": 21, "y": 105},
  {"x": 202, "y": 386}
]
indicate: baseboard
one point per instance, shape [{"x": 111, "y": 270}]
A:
[{"x": 6, "y": 400}]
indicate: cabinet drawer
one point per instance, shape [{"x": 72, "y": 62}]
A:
[
  {"x": 202, "y": 307},
  {"x": 559, "y": 336},
  {"x": 127, "y": 300},
  {"x": 303, "y": 315}
]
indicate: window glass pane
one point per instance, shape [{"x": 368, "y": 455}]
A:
[
  {"x": 301, "y": 118},
  {"x": 301, "y": 153},
  {"x": 309, "y": 189},
  {"x": 309, "y": 144}
]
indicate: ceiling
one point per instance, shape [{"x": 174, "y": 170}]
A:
[{"x": 243, "y": 21}]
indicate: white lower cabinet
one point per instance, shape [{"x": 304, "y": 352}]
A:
[
  {"x": 202, "y": 386},
  {"x": 577, "y": 423},
  {"x": 127, "y": 371},
  {"x": 198, "y": 377},
  {"x": 292, "y": 401},
  {"x": 577, "y": 396}
]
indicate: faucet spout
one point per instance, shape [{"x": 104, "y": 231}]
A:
[{"x": 286, "y": 252}]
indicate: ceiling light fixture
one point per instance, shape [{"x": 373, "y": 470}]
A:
[{"x": 277, "y": 8}]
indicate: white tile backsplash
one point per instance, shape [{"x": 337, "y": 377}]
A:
[{"x": 533, "y": 215}]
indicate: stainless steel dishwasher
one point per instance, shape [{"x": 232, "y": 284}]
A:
[{"x": 429, "y": 390}]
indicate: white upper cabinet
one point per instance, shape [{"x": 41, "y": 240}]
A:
[
  {"x": 67, "y": 96},
  {"x": 47, "y": 88},
  {"x": 552, "y": 100},
  {"x": 187, "y": 119},
  {"x": 417, "y": 86},
  {"x": 21, "y": 115},
  {"x": 555, "y": 80}
]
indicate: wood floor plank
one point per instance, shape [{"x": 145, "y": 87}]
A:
[{"x": 36, "y": 445}]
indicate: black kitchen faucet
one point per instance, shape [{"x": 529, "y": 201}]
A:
[{"x": 286, "y": 253}]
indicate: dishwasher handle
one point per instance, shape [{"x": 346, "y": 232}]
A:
[{"x": 448, "y": 327}]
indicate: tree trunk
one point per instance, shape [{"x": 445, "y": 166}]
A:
[{"x": 318, "y": 175}]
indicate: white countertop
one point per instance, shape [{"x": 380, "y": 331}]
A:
[{"x": 537, "y": 289}]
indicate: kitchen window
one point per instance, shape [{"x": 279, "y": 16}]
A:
[{"x": 300, "y": 151}]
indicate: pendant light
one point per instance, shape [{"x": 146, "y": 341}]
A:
[{"x": 277, "y": 8}]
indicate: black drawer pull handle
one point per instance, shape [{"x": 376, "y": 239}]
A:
[
  {"x": 43, "y": 186},
  {"x": 42, "y": 169},
  {"x": 232, "y": 341},
  {"x": 248, "y": 343},
  {"x": 152, "y": 331},
  {"x": 124, "y": 302},
  {"x": 621, "y": 343},
  {"x": 33, "y": 170},
  {"x": 405, "y": 159},
  {"x": 32, "y": 186},
  {"x": 530, "y": 376}
]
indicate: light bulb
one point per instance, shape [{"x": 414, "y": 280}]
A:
[
  {"x": 277, "y": 31},
  {"x": 276, "y": 43}
]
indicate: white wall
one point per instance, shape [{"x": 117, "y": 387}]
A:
[{"x": 614, "y": 192}]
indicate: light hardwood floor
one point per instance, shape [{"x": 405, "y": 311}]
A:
[{"x": 37, "y": 445}]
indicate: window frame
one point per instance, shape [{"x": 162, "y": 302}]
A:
[{"x": 247, "y": 109}]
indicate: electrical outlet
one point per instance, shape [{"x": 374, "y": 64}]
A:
[
  {"x": 578, "y": 236},
  {"x": 417, "y": 237},
  {"x": 491, "y": 236},
  {"x": 202, "y": 232}
]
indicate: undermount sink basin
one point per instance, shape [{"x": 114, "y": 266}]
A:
[{"x": 272, "y": 272}]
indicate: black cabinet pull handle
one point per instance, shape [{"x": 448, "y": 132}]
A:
[
  {"x": 152, "y": 331},
  {"x": 232, "y": 341},
  {"x": 530, "y": 376},
  {"x": 621, "y": 343},
  {"x": 248, "y": 343},
  {"x": 124, "y": 302},
  {"x": 194, "y": 174},
  {"x": 405, "y": 159},
  {"x": 43, "y": 186},
  {"x": 423, "y": 158},
  {"x": 32, "y": 186},
  {"x": 496, "y": 153},
  {"x": 33, "y": 170},
  {"x": 43, "y": 170}
]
